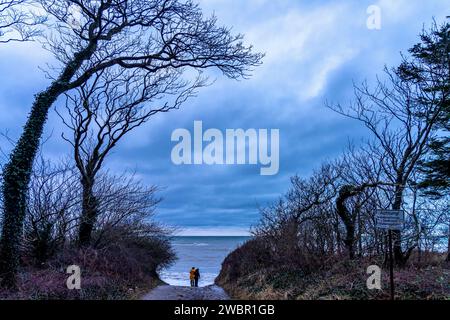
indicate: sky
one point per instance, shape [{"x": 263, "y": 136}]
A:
[{"x": 315, "y": 51}]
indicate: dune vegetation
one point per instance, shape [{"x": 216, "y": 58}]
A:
[{"x": 318, "y": 239}]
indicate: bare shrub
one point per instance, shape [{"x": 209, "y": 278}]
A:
[
  {"x": 52, "y": 210},
  {"x": 125, "y": 231}
]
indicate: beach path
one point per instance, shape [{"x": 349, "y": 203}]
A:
[{"x": 166, "y": 292}]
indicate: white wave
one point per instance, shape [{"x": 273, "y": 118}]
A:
[
  {"x": 194, "y": 244},
  {"x": 182, "y": 278}
]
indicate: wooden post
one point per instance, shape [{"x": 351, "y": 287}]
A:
[{"x": 391, "y": 266}]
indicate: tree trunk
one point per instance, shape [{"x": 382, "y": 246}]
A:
[
  {"x": 350, "y": 241},
  {"x": 360, "y": 232},
  {"x": 89, "y": 213},
  {"x": 338, "y": 237},
  {"x": 347, "y": 219},
  {"x": 17, "y": 172},
  {"x": 16, "y": 177}
]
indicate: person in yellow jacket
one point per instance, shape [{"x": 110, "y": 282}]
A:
[{"x": 192, "y": 276}]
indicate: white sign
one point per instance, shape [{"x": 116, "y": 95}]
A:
[{"x": 390, "y": 219}]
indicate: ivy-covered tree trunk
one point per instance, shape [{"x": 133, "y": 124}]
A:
[
  {"x": 17, "y": 172},
  {"x": 16, "y": 178},
  {"x": 89, "y": 212}
]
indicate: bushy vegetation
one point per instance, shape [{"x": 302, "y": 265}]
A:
[
  {"x": 250, "y": 272},
  {"x": 117, "y": 65},
  {"x": 127, "y": 250}
]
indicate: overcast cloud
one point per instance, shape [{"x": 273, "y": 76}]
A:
[{"x": 314, "y": 50}]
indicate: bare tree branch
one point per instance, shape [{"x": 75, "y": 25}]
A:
[{"x": 20, "y": 20}]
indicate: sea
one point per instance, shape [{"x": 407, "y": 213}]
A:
[{"x": 205, "y": 253}]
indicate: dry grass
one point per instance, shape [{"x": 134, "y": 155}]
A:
[
  {"x": 105, "y": 275},
  {"x": 424, "y": 279}
]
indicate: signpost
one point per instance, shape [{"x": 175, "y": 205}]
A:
[{"x": 390, "y": 220}]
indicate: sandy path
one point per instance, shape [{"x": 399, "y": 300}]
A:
[{"x": 166, "y": 292}]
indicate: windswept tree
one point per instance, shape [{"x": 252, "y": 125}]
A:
[
  {"x": 297, "y": 205},
  {"x": 359, "y": 176},
  {"x": 430, "y": 67},
  {"x": 88, "y": 37},
  {"x": 297, "y": 226},
  {"x": 102, "y": 111},
  {"x": 402, "y": 113}
]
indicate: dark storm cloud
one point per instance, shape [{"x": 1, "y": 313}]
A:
[{"x": 314, "y": 52}]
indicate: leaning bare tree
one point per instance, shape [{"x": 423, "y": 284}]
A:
[
  {"x": 403, "y": 113},
  {"x": 102, "y": 111},
  {"x": 359, "y": 177},
  {"x": 142, "y": 35},
  {"x": 390, "y": 112}
]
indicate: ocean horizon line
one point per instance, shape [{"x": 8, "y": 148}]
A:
[
  {"x": 212, "y": 236},
  {"x": 212, "y": 232}
]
